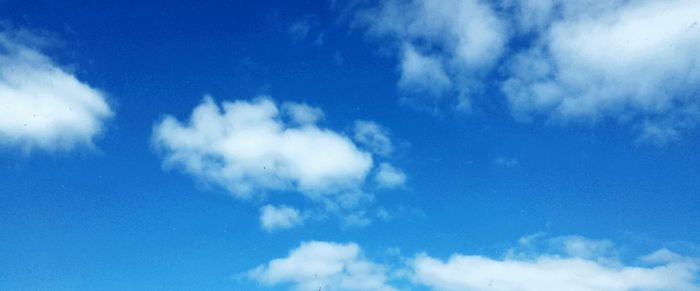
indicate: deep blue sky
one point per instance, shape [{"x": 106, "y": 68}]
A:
[{"x": 111, "y": 218}]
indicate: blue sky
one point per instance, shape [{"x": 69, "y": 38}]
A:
[{"x": 349, "y": 145}]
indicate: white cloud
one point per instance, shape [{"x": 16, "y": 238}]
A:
[
  {"x": 623, "y": 60},
  {"x": 389, "y": 177},
  {"x": 374, "y": 137},
  {"x": 326, "y": 266},
  {"x": 279, "y": 217},
  {"x": 249, "y": 147},
  {"x": 443, "y": 45},
  {"x": 586, "y": 61},
  {"x": 565, "y": 263},
  {"x": 43, "y": 106},
  {"x": 462, "y": 272}
]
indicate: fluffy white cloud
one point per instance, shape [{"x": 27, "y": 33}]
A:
[
  {"x": 326, "y": 266},
  {"x": 279, "y": 217},
  {"x": 43, "y": 106},
  {"x": 623, "y": 60},
  {"x": 374, "y": 137},
  {"x": 631, "y": 61},
  {"x": 248, "y": 147},
  {"x": 389, "y": 177},
  {"x": 252, "y": 148},
  {"x": 537, "y": 263}
]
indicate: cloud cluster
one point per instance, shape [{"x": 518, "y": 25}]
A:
[
  {"x": 250, "y": 146},
  {"x": 255, "y": 147},
  {"x": 327, "y": 266},
  {"x": 43, "y": 106},
  {"x": 630, "y": 61},
  {"x": 538, "y": 263}
]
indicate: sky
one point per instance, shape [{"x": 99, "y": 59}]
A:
[{"x": 350, "y": 145}]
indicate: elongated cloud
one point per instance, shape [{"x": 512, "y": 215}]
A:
[
  {"x": 559, "y": 263},
  {"x": 43, "y": 106},
  {"x": 537, "y": 263},
  {"x": 586, "y": 61},
  {"x": 462, "y": 272}
]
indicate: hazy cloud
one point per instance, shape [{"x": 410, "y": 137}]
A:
[
  {"x": 389, "y": 177},
  {"x": 279, "y": 217}
]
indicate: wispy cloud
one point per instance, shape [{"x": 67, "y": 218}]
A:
[
  {"x": 506, "y": 162},
  {"x": 389, "y": 177},
  {"x": 374, "y": 137}
]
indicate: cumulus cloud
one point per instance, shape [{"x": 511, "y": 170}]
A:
[
  {"x": 279, "y": 217},
  {"x": 540, "y": 263},
  {"x": 253, "y": 148},
  {"x": 389, "y": 177},
  {"x": 583, "y": 61},
  {"x": 43, "y": 106},
  {"x": 248, "y": 147},
  {"x": 624, "y": 60},
  {"x": 373, "y": 137},
  {"x": 326, "y": 266}
]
